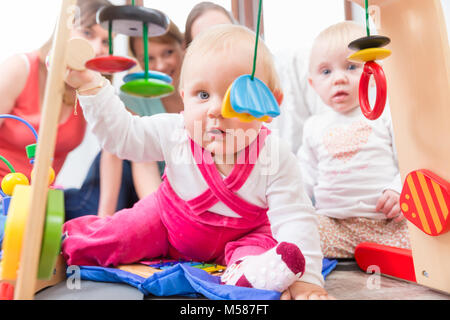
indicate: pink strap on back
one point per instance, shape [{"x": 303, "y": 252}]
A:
[{"x": 223, "y": 190}]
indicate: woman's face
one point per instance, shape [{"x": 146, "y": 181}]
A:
[
  {"x": 162, "y": 57},
  {"x": 208, "y": 19},
  {"x": 97, "y": 36}
]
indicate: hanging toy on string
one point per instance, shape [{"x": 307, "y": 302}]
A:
[
  {"x": 134, "y": 21},
  {"x": 111, "y": 63},
  {"x": 248, "y": 98},
  {"x": 370, "y": 48}
]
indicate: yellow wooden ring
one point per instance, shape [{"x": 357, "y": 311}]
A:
[
  {"x": 370, "y": 54},
  {"x": 228, "y": 111},
  {"x": 14, "y": 230}
]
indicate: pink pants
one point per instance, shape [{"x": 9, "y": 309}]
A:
[{"x": 162, "y": 225}]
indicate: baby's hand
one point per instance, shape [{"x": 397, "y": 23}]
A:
[
  {"x": 84, "y": 80},
  {"x": 389, "y": 204},
  {"x": 300, "y": 290}
]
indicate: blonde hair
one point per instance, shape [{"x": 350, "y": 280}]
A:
[
  {"x": 338, "y": 35},
  {"x": 226, "y": 38}
]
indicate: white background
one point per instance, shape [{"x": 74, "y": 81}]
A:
[{"x": 27, "y": 24}]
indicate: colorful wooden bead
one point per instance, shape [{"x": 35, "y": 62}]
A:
[
  {"x": 147, "y": 88},
  {"x": 129, "y": 20},
  {"x": 151, "y": 75},
  {"x": 374, "y": 41},
  {"x": 110, "y": 64}
]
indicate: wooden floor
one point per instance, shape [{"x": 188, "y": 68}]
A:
[{"x": 348, "y": 282}]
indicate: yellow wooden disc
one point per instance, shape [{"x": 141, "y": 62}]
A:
[
  {"x": 14, "y": 230},
  {"x": 370, "y": 54},
  {"x": 78, "y": 52},
  {"x": 228, "y": 111}
]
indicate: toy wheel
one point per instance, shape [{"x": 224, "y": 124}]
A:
[
  {"x": 372, "y": 68},
  {"x": 51, "y": 239},
  {"x": 14, "y": 230}
]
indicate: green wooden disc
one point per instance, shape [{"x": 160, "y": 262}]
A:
[
  {"x": 51, "y": 239},
  {"x": 151, "y": 88}
]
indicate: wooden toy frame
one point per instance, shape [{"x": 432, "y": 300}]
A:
[
  {"x": 419, "y": 101},
  {"x": 419, "y": 111},
  {"x": 26, "y": 283}
]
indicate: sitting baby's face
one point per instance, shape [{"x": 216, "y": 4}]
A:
[
  {"x": 206, "y": 80},
  {"x": 333, "y": 77}
]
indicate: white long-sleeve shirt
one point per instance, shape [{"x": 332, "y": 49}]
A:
[
  {"x": 275, "y": 181},
  {"x": 347, "y": 161}
]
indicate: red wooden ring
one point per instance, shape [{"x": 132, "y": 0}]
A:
[
  {"x": 372, "y": 68},
  {"x": 110, "y": 64}
]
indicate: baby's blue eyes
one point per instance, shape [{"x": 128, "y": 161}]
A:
[
  {"x": 349, "y": 67},
  {"x": 203, "y": 95}
]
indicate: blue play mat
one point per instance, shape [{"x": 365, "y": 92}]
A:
[{"x": 184, "y": 280}]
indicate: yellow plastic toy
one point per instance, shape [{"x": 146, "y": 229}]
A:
[
  {"x": 370, "y": 54},
  {"x": 14, "y": 229},
  {"x": 11, "y": 180}
]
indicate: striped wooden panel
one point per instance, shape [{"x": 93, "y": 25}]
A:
[{"x": 425, "y": 201}]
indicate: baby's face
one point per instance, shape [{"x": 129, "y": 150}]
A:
[
  {"x": 206, "y": 80},
  {"x": 334, "y": 78}
]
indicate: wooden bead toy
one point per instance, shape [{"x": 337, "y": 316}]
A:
[
  {"x": 373, "y": 41},
  {"x": 369, "y": 54},
  {"x": 79, "y": 51},
  {"x": 11, "y": 180}
]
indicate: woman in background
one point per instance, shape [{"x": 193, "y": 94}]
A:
[
  {"x": 204, "y": 15},
  {"x": 22, "y": 88}
]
